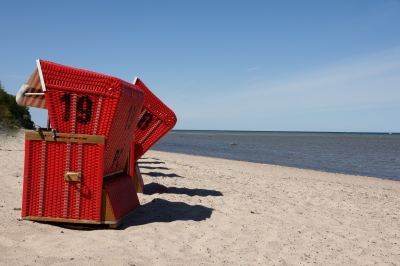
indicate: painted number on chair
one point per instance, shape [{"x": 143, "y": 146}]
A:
[
  {"x": 115, "y": 162},
  {"x": 131, "y": 116},
  {"x": 67, "y": 100},
  {"x": 145, "y": 121},
  {"x": 83, "y": 108}
]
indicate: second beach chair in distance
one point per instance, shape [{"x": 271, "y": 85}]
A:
[{"x": 156, "y": 120}]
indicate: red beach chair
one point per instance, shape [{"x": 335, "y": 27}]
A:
[
  {"x": 156, "y": 120},
  {"x": 77, "y": 172}
]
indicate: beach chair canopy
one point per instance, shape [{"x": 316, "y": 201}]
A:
[{"x": 32, "y": 91}]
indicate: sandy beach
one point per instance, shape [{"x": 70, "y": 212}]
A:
[{"x": 206, "y": 211}]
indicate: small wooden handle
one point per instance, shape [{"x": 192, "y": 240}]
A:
[{"x": 72, "y": 176}]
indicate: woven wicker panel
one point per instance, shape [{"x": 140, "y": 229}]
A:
[
  {"x": 138, "y": 180},
  {"x": 122, "y": 195},
  {"x": 80, "y": 101},
  {"x": 80, "y": 113},
  {"x": 156, "y": 120},
  {"x": 47, "y": 194},
  {"x": 123, "y": 128},
  {"x": 27, "y": 186}
]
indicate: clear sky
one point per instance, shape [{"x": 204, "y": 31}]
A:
[{"x": 225, "y": 65}]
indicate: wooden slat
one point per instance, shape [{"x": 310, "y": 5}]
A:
[
  {"x": 62, "y": 220},
  {"x": 65, "y": 137},
  {"x": 107, "y": 214},
  {"x": 108, "y": 221},
  {"x": 113, "y": 175},
  {"x": 127, "y": 217}
]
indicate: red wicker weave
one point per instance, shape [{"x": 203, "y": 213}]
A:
[
  {"x": 47, "y": 194},
  {"x": 122, "y": 196},
  {"x": 156, "y": 120}
]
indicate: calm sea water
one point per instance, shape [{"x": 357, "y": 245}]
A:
[{"x": 368, "y": 154}]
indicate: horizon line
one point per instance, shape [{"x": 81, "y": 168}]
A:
[{"x": 291, "y": 131}]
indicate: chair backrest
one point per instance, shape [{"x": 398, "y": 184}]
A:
[{"x": 85, "y": 102}]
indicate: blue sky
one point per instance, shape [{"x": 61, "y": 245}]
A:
[{"x": 225, "y": 65}]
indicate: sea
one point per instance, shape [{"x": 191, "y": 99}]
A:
[{"x": 366, "y": 154}]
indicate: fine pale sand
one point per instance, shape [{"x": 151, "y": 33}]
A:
[{"x": 205, "y": 211}]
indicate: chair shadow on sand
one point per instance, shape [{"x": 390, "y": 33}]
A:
[
  {"x": 154, "y": 167},
  {"x": 164, "y": 211},
  {"x": 154, "y": 173},
  {"x": 159, "y": 174},
  {"x": 155, "y": 161},
  {"x": 161, "y": 210},
  {"x": 143, "y": 165},
  {"x": 154, "y": 188}
]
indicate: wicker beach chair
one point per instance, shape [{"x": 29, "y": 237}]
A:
[
  {"x": 77, "y": 172},
  {"x": 156, "y": 120}
]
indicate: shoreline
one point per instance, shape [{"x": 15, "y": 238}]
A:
[
  {"x": 283, "y": 131},
  {"x": 339, "y": 173},
  {"x": 317, "y": 174},
  {"x": 209, "y": 211},
  {"x": 364, "y": 155}
]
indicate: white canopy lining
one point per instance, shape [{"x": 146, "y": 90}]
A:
[{"x": 32, "y": 91}]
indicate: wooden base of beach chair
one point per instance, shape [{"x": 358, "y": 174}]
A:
[
  {"x": 116, "y": 224},
  {"x": 111, "y": 224},
  {"x": 138, "y": 180}
]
